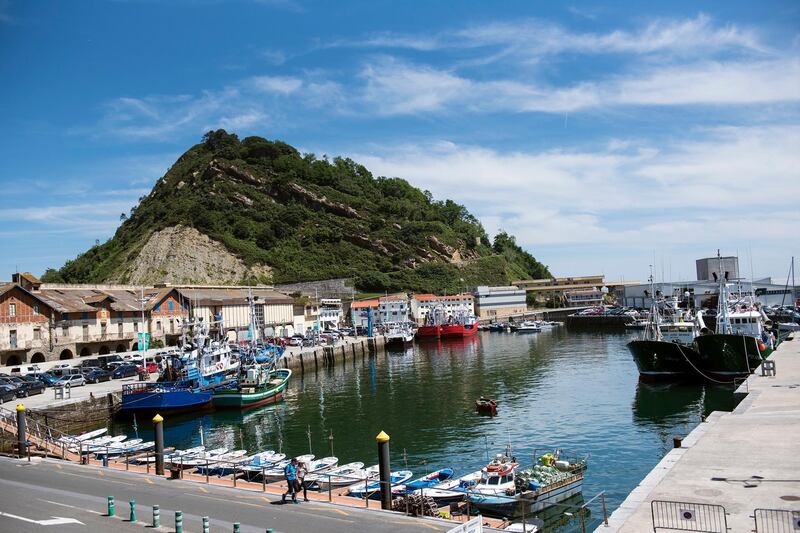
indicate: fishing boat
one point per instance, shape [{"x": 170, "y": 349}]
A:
[
  {"x": 337, "y": 477},
  {"x": 505, "y": 491},
  {"x": 256, "y": 386},
  {"x": 432, "y": 328},
  {"x": 461, "y": 324},
  {"x": 189, "y": 377},
  {"x": 740, "y": 341},
  {"x": 399, "y": 335},
  {"x": 666, "y": 350},
  {"x": 371, "y": 489},
  {"x": 498, "y": 327},
  {"x": 430, "y": 480}
]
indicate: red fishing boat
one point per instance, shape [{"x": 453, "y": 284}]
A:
[
  {"x": 466, "y": 326},
  {"x": 432, "y": 331}
]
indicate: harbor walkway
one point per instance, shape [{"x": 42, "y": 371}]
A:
[
  {"x": 745, "y": 460},
  {"x": 48, "y": 489}
]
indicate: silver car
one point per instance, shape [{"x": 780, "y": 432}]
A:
[{"x": 74, "y": 380}]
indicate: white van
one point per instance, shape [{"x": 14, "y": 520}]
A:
[{"x": 25, "y": 370}]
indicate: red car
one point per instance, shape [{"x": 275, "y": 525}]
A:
[{"x": 150, "y": 366}]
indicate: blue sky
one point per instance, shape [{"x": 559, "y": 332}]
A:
[{"x": 606, "y": 136}]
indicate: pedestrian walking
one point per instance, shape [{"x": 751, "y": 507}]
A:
[
  {"x": 290, "y": 473},
  {"x": 302, "y": 470}
]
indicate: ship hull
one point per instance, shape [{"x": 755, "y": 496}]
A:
[
  {"x": 726, "y": 357},
  {"x": 662, "y": 360},
  {"x": 175, "y": 401},
  {"x": 429, "y": 332},
  {"x": 459, "y": 330},
  {"x": 247, "y": 399},
  {"x": 526, "y": 503}
]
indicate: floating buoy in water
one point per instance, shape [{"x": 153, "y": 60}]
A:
[{"x": 761, "y": 347}]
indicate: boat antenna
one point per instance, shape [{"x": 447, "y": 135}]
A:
[
  {"x": 135, "y": 426},
  {"x": 330, "y": 440},
  {"x": 308, "y": 432},
  {"x": 202, "y": 439}
]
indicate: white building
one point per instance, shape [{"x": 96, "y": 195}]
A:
[
  {"x": 330, "y": 313},
  {"x": 423, "y": 304},
  {"x": 503, "y": 301},
  {"x": 359, "y": 312},
  {"x": 393, "y": 309},
  {"x": 703, "y": 294}
]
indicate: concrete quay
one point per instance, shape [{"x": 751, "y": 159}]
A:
[{"x": 744, "y": 460}]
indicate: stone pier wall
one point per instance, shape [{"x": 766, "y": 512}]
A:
[
  {"x": 320, "y": 356},
  {"x": 76, "y": 417}
]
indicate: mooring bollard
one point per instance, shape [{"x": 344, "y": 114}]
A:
[
  {"x": 178, "y": 522},
  {"x": 384, "y": 470},
  {"x": 269, "y": 530},
  {"x": 206, "y": 527},
  {"x": 158, "y": 427},
  {"x": 111, "y": 510},
  {"x": 156, "y": 516},
  {"x": 237, "y": 527},
  {"x": 22, "y": 428},
  {"x": 133, "y": 511}
]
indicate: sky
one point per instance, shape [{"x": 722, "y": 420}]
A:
[{"x": 606, "y": 136}]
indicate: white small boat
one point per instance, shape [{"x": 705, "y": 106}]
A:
[
  {"x": 262, "y": 461},
  {"x": 530, "y": 525},
  {"x": 528, "y": 327},
  {"x": 371, "y": 488},
  {"x": 101, "y": 445},
  {"x": 170, "y": 457},
  {"x": 116, "y": 448},
  {"x": 338, "y": 477},
  {"x": 73, "y": 439},
  {"x": 201, "y": 459},
  {"x": 321, "y": 465}
]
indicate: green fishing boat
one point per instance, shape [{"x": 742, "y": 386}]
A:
[{"x": 258, "y": 385}]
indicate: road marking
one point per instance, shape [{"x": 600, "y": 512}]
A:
[
  {"x": 202, "y": 489},
  {"x": 148, "y": 480},
  {"x": 71, "y": 506},
  {"x": 59, "y": 467},
  {"x": 55, "y": 521},
  {"x": 101, "y": 474},
  {"x": 226, "y": 501},
  {"x": 94, "y": 479},
  {"x": 332, "y": 509}
]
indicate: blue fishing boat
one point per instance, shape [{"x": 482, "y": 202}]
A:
[
  {"x": 188, "y": 378},
  {"x": 372, "y": 489},
  {"x": 431, "y": 480}
]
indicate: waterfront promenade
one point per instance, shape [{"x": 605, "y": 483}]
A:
[
  {"x": 44, "y": 489},
  {"x": 742, "y": 461}
]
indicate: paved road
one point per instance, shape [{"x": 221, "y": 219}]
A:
[{"x": 49, "y": 489}]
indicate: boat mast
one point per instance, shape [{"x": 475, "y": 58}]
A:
[{"x": 723, "y": 320}]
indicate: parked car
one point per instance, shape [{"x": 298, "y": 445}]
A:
[
  {"x": 73, "y": 380},
  {"x": 124, "y": 371},
  {"x": 32, "y": 385},
  {"x": 61, "y": 365},
  {"x": 7, "y": 392},
  {"x": 150, "y": 367},
  {"x": 105, "y": 361},
  {"x": 90, "y": 363},
  {"x": 16, "y": 386},
  {"x": 96, "y": 375},
  {"x": 47, "y": 378},
  {"x": 23, "y": 370}
]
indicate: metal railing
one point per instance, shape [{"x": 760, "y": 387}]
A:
[
  {"x": 688, "y": 516},
  {"x": 776, "y": 521}
]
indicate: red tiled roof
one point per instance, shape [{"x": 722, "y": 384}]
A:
[{"x": 364, "y": 304}]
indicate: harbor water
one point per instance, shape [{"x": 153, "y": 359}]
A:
[{"x": 561, "y": 388}]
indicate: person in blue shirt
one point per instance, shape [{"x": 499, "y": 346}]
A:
[{"x": 290, "y": 473}]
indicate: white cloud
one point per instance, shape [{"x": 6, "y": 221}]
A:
[
  {"x": 696, "y": 36},
  {"x": 276, "y": 84},
  {"x": 723, "y": 187}
]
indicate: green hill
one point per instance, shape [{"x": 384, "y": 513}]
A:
[{"x": 231, "y": 211}]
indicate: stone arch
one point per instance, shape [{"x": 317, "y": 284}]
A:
[
  {"x": 13, "y": 360},
  {"x": 105, "y": 350},
  {"x": 65, "y": 354},
  {"x": 120, "y": 348},
  {"x": 85, "y": 351},
  {"x": 135, "y": 347},
  {"x": 38, "y": 357}
]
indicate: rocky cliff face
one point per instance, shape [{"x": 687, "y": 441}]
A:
[{"x": 180, "y": 254}]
